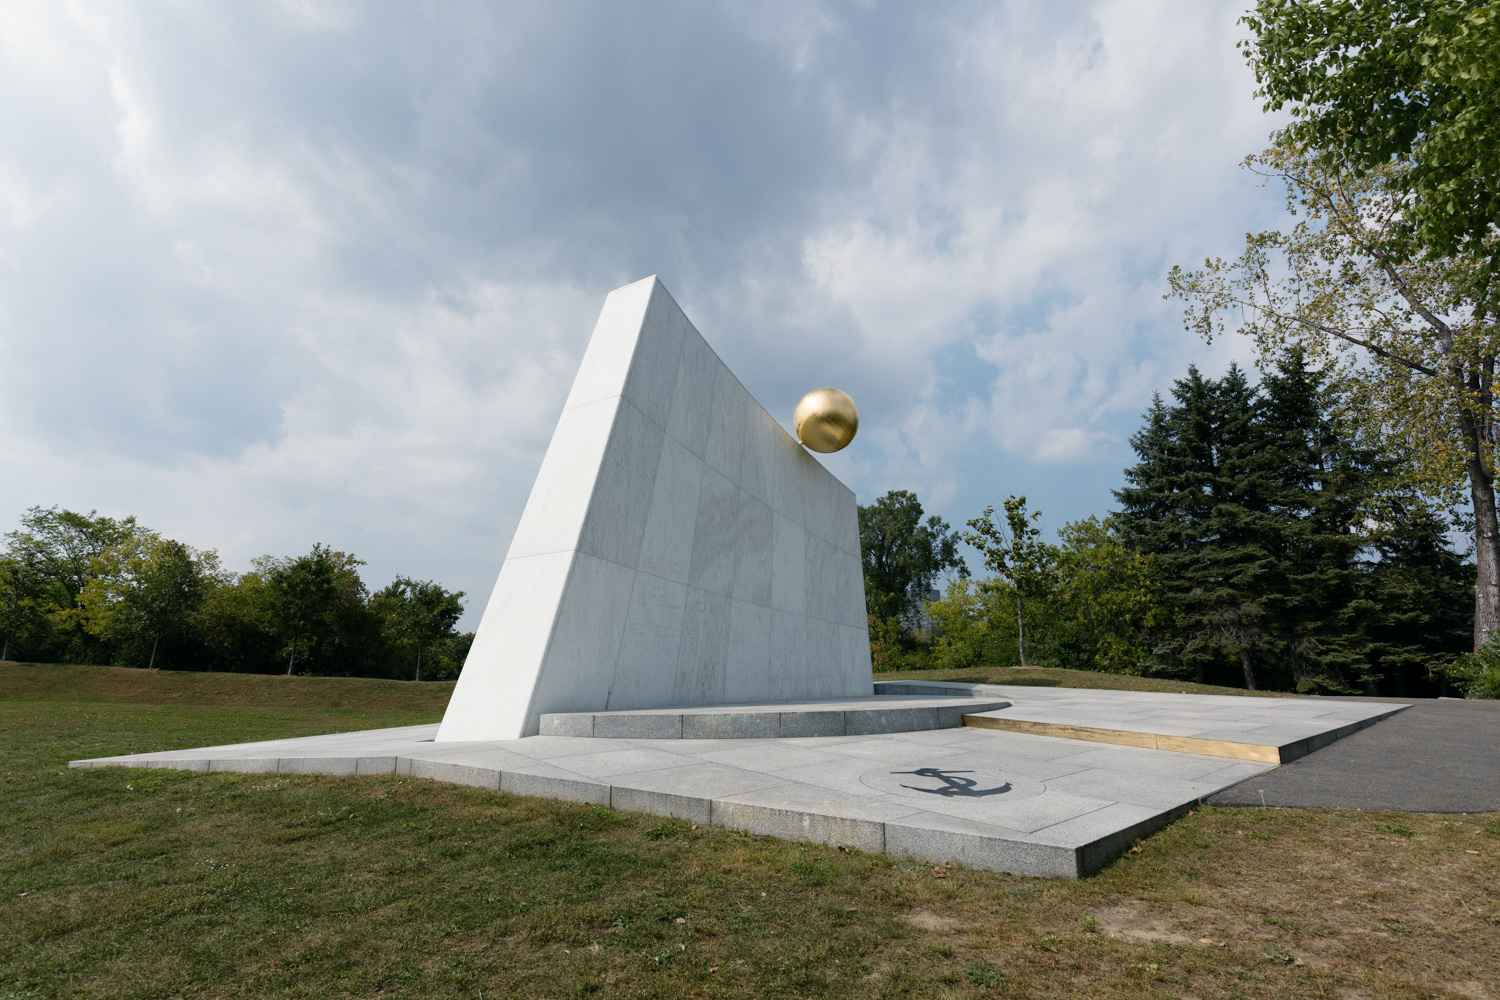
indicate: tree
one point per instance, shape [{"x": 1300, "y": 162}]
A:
[
  {"x": 1013, "y": 552},
  {"x": 1406, "y": 620},
  {"x": 1319, "y": 484},
  {"x": 234, "y": 622},
  {"x": 418, "y": 614},
  {"x": 1107, "y": 598},
  {"x": 300, "y": 598},
  {"x": 1242, "y": 527},
  {"x": 445, "y": 658},
  {"x": 903, "y": 555},
  {"x": 86, "y": 588},
  {"x": 58, "y": 549},
  {"x": 964, "y": 619},
  {"x": 19, "y": 616},
  {"x": 1410, "y": 359},
  {"x": 145, "y": 590},
  {"x": 1412, "y": 82},
  {"x": 1200, "y": 502},
  {"x": 1282, "y": 543}
]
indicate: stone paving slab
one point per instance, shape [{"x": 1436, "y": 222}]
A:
[
  {"x": 1034, "y": 805},
  {"x": 828, "y": 717},
  {"x": 1269, "y": 730},
  {"x": 1027, "y": 802}
]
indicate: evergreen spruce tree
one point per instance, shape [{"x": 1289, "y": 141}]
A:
[
  {"x": 1198, "y": 501},
  {"x": 1157, "y": 515},
  {"x": 1242, "y": 531},
  {"x": 1258, "y": 511},
  {"x": 1319, "y": 481},
  {"x": 1414, "y": 609},
  {"x": 1147, "y": 500}
]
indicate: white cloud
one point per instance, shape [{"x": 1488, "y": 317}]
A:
[
  {"x": 271, "y": 276},
  {"x": 1089, "y": 154}
]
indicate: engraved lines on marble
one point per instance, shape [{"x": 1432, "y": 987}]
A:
[{"x": 679, "y": 548}]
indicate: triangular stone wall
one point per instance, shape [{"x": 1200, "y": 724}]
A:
[{"x": 679, "y": 548}]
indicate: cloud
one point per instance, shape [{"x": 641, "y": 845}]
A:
[{"x": 323, "y": 271}]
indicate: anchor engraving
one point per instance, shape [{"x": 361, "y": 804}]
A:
[{"x": 952, "y": 785}]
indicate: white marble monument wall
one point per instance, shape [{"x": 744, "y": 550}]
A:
[{"x": 679, "y": 548}]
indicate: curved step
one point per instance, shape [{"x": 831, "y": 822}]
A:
[{"x": 833, "y": 717}]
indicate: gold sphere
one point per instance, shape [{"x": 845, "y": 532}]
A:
[{"x": 825, "y": 420}]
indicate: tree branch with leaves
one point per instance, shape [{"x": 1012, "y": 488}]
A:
[
  {"x": 1014, "y": 553},
  {"x": 1395, "y": 327}
]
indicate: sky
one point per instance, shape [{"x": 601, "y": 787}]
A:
[{"x": 282, "y": 273}]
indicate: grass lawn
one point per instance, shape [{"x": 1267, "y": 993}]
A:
[{"x": 132, "y": 883}]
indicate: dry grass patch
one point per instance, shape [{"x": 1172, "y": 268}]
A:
[{"x": 129, "y": 883}]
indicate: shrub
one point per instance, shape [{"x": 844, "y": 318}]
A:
[{"x": 1477, "y": 674}]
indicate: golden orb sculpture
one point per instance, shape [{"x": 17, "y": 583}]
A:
[{"x": 825, "y": 420}]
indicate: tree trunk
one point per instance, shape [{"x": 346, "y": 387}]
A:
[
  {"x": 6, "y": 655},
  {"x": 1245, "y": 666},
  {"x": 293, "y": 658},
  {"x": 419, "y": 663},
  {"x": 1472, "y": 384},
  {"x": 1486, "y": 556},
  {"x": 1020, "y": 632},
  {"x": 154, "y": 641}
]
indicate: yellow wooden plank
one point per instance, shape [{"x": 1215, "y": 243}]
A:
[
  {"x": 1220, "y": 748},
  {"x": 1128, "y": 738},
  {"x": 1093, "y": 735}
]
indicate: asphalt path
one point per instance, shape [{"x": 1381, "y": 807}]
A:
[{"x": 1438, "y": 756}]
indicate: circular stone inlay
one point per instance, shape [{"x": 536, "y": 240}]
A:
[{"x": 950, "y": 781}]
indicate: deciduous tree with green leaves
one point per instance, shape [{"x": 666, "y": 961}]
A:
[
  {"x": 1013, "y": 552},
  {"x": 57, "y": 548},
  {"x": 235, "y": 625},
  {"x": 1395, "y": 330},
  {"x": 19, "y": 615},
  {"x": 301, "y": 596},
  {"x": 147, "y": 591},
  {"x": 417, "y": 613},
  {"x": 903, "y": 555},
  {"x": 964, "y": 620},
  {"x": 1106, "y": 600},
  {"x": 1414, "y": 83}
]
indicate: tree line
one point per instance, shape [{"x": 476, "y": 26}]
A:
[
  {"x": 1387, "y": 279},
  {"x": 1328, "y": 572},
  {"x": 1258, "y": 543},
  {"x": 86, "y": 588}
]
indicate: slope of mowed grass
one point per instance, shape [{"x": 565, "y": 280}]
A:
[
  {"x": 131, "y": 883},
  {"x": 77, "y": 682},
  {"x": 1058, "y": 677}
]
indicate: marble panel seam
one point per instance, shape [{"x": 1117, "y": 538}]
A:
[{"x": 768, "y": 501}]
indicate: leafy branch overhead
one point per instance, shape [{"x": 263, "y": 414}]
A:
[{"x": 1410, "y": 84}]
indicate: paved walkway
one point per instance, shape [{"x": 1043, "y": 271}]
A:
[
  {"x": 1030, "y": 803},
  {"x": 1034, "y": 805},
  {"x": 1436, "y": 756},
  {"x": 1274, "y": 730}
]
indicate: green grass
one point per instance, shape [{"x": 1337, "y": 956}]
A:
[{"x": 131, "y": 883}]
